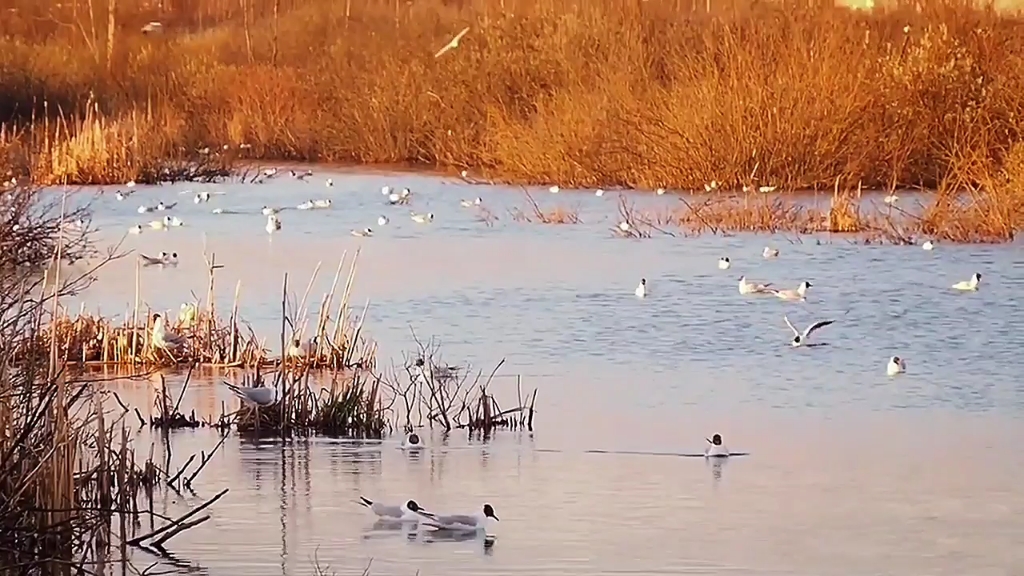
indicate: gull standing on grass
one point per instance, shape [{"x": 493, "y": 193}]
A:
[
  {"x": 798, "y": 295},
  {"x": 753, "y": 287},
  {"x": 407, "y": 512},
  {"x": 969, "y": 285},
  {"x": 459, "y": 522},
  {"x": 641, "y": 288},
  {"x": 896, "y": 366},
  {"x": 259, "y": 396},
  {"x": 800, "y": 339},
  {"x": 453, "y": 44},
  {"x": 715, "y": 448}
]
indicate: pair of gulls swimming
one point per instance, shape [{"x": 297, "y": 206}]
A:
[
  {"x": 161, "y": 259},
  {"x": 413, "y": 514}
]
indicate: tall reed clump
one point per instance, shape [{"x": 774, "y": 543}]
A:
[
  {"x": 662, "y": 93},
  {"x": 213, "y": 339},
  {"x": 69, "y": 481}
]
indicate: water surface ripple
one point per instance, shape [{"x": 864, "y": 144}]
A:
[{"x": 850, "y": 472}]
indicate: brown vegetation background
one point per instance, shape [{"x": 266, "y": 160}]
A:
[{"x": 639, "y": 93}]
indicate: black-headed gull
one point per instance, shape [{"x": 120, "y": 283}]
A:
[
  {"x": 799, "y": 294},
  {"x": 459, "y": 522},
  {"x": 407, "y": 512},
  {"x": 969, "y": 285},
  {"x": 801, "y": 339},
  {"x": 715, "y": 448},
  {"x": 896, "y": 366}
]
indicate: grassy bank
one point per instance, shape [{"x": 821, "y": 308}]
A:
[{"x": 657, "y": 93}]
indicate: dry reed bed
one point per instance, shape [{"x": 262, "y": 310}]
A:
[
  {"x": 359, "y": 404},
  {"x": 583, "y": 94},
  {"x": 73, "y": 490},
  {"x": 212, "y": 340}
]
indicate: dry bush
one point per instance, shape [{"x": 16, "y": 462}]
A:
[
  {"x": 535, "y": 213},
  {"x": 597, "y": 93}
]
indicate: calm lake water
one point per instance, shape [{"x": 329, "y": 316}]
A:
[{"x": 850, "y": 472}]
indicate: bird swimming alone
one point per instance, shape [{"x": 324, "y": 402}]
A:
[
  {"x": 412, "y": 441},
  {"x": 770, "y": 252},
  {"x": 801, "y": 339},
  {"x": 752, "y": 287},
  {"x": 928, "y": 245},
  {"x": 715, "y": 448},
  {"x": 423, "y": 218},
  {"x": 641, "y": 289},
  {"x": 896, "y": 366},
  {"x": 382, "y": 220},
  {"x": 364, "y": 233},
  {"x": 470, "y": 203},
  {"x": 796, "y": 295},
  {"x": 273, "y": 224},
  {"x": 724, "y": 263},
  {"x": 969, "y": 285}
]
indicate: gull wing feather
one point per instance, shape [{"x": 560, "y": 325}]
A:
[
  {"x": 815, "y": 326},
  {"x": 790, "y": 324}
]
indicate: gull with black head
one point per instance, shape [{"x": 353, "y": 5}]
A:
[{"x": 801, "y": 338}]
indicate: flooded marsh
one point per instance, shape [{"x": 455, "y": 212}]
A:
[{"x": 848, "y": 472}]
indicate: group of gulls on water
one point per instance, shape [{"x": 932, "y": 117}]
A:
[
  {"x": 273, "y": 218},
  {"x": 802, "y": 338}
]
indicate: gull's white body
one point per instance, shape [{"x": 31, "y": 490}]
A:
[
  {"x": 255, "y": 396},
  {"x": 325, "y": 203},
  {"x": 554, "y": 189},
  {"x": 752, "y": 287},
  {"x": 599, "y": 193},
  {"x": 968, "y": 285},
  {"x": 412, "y": 441},
  {"x": 928, "y": 245},
  {"x": 641, "y": 289},
  {"x": 452, "y": 44},
  {"x": 455, "y": 522},
  {"x": 423, "y": 218},
  {"x": 724, "y": 263},
  {"x": 896, "y": 366},
  {"x": 470, "y": 203},
  {"x": 267, "y": 211},
  {"x": 163, "y": 338},
  {"x": 382, "y": 221},
  {"x": 716, "y": 451},
  {"x": 158, "y": 224},
  {"x": 365, "y": 232},
  {"x": 307, "y": 205},
  {"x": 144, "y": 209},
  {"x": 135, "y": 229},
  {"x": 770, "y": 252},
  {"x": 397, "y": 512},
  {"x": 273, "y": 224},
  {"x": 801, "y": 338},
  {"x": 799, "y": 294}
]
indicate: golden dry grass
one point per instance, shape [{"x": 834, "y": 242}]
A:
[{"x": 656, "y": 93}]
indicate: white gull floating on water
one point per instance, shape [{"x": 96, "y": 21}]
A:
[{"x": 459, "y": 522}]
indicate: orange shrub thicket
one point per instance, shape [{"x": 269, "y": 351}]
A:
[{"x": 597, "y": 93}]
